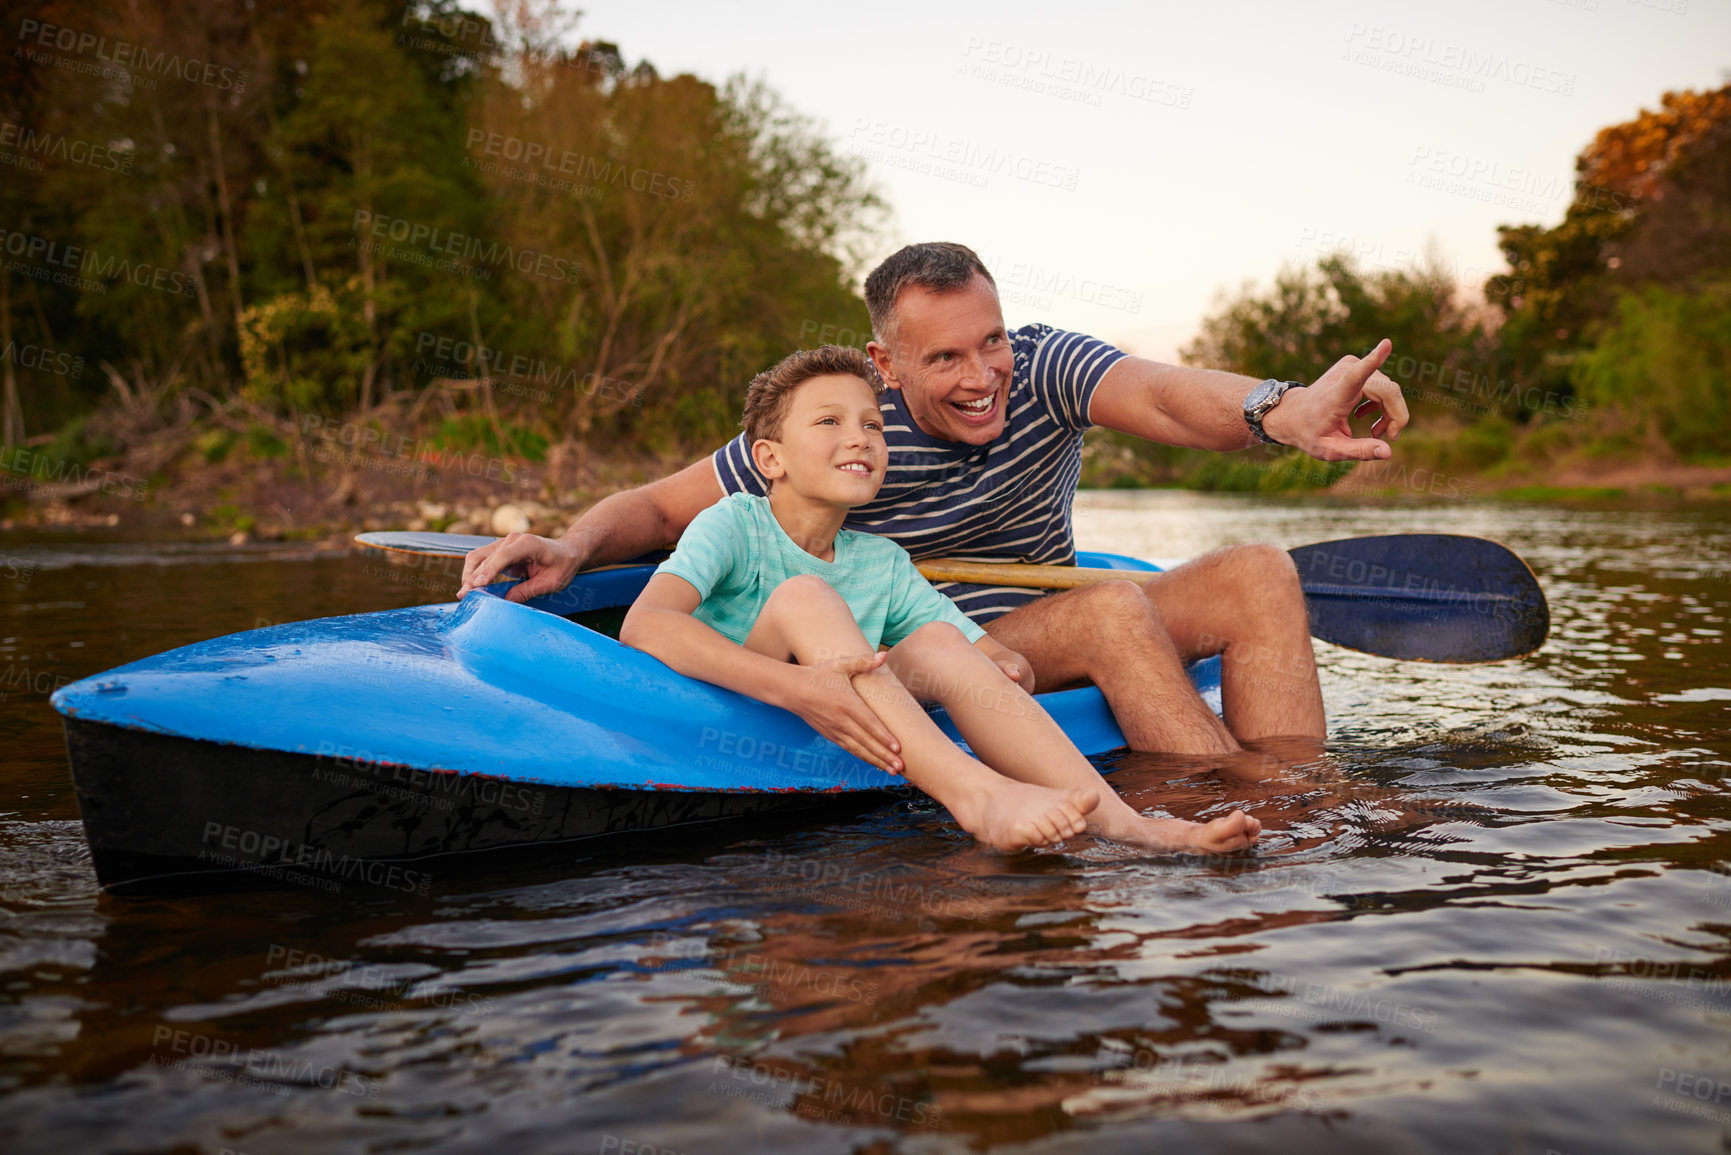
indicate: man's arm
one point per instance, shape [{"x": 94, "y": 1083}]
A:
[
  {"x": 1204, "y": 408},
  {"x": 620, "y": 526}
]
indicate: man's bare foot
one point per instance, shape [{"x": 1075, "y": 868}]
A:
[
  {"x": 1017, "y": 815},
  {"x": 1221, "y": 836}
]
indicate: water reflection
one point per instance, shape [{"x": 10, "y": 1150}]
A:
[{"x": 1495, "y": 917}]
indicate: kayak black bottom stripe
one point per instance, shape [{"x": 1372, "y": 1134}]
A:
[{"x": 220, "y": 817}]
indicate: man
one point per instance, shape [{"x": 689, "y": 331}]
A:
[{"x": 985, "y": 429}]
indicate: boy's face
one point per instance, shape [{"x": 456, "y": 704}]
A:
[{"x": 831, "y": 447}]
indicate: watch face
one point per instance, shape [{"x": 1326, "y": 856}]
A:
[{"x": 1260, "y": 397}]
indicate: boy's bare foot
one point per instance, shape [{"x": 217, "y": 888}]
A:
[
  {"x": 1223, "y": 835},
  {"x": 1017, "y": 815}
]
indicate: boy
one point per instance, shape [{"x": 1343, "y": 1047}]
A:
[{"x": 764, "y": 593}]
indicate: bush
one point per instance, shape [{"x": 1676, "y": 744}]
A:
[
  {"x": 1668, "y": 355},
  {"x": 1550, "y": 440},
  {"x": 1481, "y": 444},
  {"x": 79, "y": 442}
]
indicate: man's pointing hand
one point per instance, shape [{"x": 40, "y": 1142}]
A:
[{"x": 1317, "y": 420}]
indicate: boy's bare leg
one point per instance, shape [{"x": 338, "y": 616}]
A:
[
  {"x": 807, "y": 621},
  {"x": 1010, "y": 732}
]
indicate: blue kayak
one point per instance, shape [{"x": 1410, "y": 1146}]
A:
[{"x": 361, "y": 749}]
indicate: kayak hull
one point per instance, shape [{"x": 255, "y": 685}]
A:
[
  {"x": 224, "y": 817},
  {"x": 345, "y": 751}
]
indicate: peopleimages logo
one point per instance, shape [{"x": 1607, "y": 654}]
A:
[
  {"x": 273, "y": 856},
  {"x": 252, "y": 1066},
  {"x": 1068, "y": 77},
  {"x": 1457, "y": 65},
  {"x": 445, "y": 243},
  {"x": 124, "y": 55},
  {"x": 47, "y": 360},
  {"x": 460, "y": 359},
  {"x": 25, "y": 147},
  {"x": 77, "y": 260},
  {"x": 355, "y": 442},
  {"x": 579, "y": 166},
  {"x": 35, "y": 470},
  {"x": 920, "y": 149}
]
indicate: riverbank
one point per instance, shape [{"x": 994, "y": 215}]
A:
[
  {"x": 278, "y": 498},
  {"x": 1628, "y": 482},
  {"x": 320, "y": 494},
  {"x": 1611, "y": 458}
]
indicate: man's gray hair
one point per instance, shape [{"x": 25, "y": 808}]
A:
[{"x": 938, "y": 266}]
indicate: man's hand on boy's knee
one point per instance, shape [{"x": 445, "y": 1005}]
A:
[
  {"x": 1015, "y": 667},
  {"x": 1018, "y": 669}
]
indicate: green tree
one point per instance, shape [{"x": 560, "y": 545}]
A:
[
  {"x": 1665, "y": 358},
  {"x": 643, "y": 243},
  {"x": 1622, "y": 229},
  {"x": 1310, "y": 318},
  {"x": 365, "y": 151},
  {"x": 706, "y": 228}
]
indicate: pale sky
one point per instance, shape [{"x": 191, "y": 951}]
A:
[{"x": 1119, "y": 164}]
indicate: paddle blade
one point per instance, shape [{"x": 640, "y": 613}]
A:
[
  {"x": 1432, "y": 597},
  {"x": 426, "y": 544}
]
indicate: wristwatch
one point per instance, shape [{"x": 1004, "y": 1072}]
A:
[{"x": 1260, "y": 400}]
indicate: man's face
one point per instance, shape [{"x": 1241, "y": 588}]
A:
[{"x": 952, "y": 361}]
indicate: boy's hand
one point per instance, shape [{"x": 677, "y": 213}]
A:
[{"x": 824, "y": 696}]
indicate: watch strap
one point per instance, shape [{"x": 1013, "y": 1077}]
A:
[{"x": 1253, "y": 415}]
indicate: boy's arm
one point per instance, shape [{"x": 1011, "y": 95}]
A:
[
  {"x": 1017, "y": 668},
  {"x": 660, "y": 624}
]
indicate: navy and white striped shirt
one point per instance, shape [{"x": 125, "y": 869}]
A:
[{"x": 1005, "y": 501}]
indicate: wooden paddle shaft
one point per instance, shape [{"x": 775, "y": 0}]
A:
[
  {"x": 1425, "y": 597},
  {"x": 1041, "y": 577},
  {"x": 937, "y": 569}
]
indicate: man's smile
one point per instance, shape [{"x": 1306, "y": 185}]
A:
[{"x": 978, "y": 409}]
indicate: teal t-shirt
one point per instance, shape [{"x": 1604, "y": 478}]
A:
[{"x": 735, "y": 553}]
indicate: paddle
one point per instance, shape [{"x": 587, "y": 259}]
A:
[{"x": 1431, "y": 597}]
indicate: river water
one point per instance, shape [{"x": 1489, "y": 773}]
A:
[{"x": 1496, "y": 917}]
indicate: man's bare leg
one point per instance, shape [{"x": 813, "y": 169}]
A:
[
  {"x": 1133, "y": 641},
  {"x": 1246, "y": 604},
  {"x": 807, "y": 621},
  {"x": 1110, "y": 634},
  {"x": 1012, "y": 734}
]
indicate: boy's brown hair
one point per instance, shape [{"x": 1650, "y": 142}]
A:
[{"x": 770, "y": 393}]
